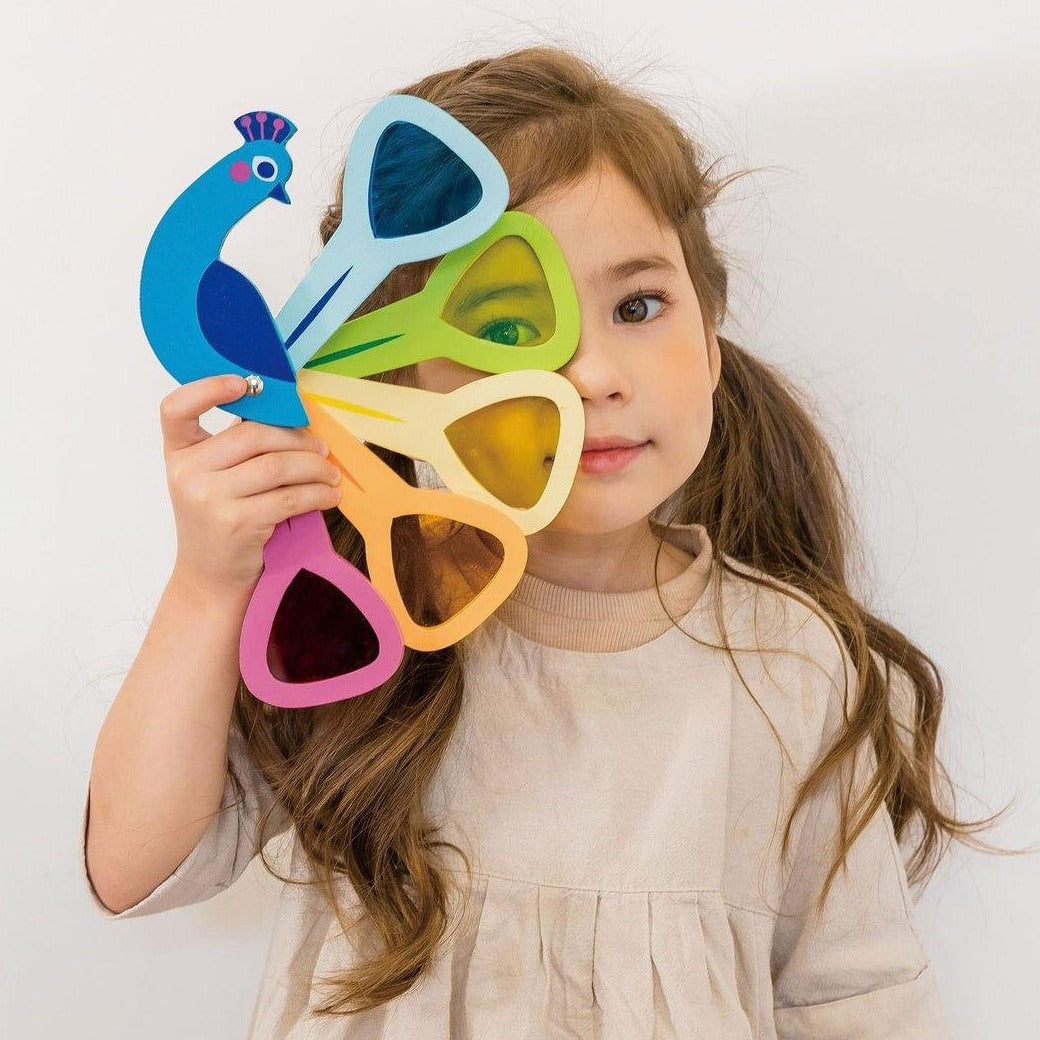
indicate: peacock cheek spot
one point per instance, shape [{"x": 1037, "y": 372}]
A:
[{"x": 240, "y": 171}]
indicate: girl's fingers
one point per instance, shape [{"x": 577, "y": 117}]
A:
[
  {"x": 179, "y": 410},
  {"x": 245, "y": 440},
  {"x": 279, "y": 469},
  {"x": 272, "y": 507}
]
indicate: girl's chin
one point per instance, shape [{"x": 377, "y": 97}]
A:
[{"x": 590, "y": 518}]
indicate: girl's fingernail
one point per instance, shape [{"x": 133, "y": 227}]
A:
[{"x": 323, "y": 448}]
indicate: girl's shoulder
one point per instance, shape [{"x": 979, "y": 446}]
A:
[
  {"x": 777, "y": 614},
  {"x": 788, "y": 645}
]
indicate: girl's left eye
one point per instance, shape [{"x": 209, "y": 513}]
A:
[
  {"x": 636, "y": 310},
  {"x": 512, "y": 332}
]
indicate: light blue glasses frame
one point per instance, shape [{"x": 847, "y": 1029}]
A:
[{"x": 417, "y": 184}]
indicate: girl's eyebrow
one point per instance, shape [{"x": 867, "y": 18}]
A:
[
  {"x": 476, "y": 297},
  {"x": 622, "y": 269}
]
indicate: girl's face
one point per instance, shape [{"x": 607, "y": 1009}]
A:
[{"x": 645, "y": 367}]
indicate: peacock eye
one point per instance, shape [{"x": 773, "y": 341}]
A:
[{"x": 264, "y": 168}]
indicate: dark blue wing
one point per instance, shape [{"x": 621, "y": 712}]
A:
[{"x": 238, "y": 324}]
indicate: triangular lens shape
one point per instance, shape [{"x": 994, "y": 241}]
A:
[
  {"x": 504, "y": 297},
  {"x": 509, "y": 447},
  {"x": 418, "y": 183},
  {"x": 318, "y": 633},
  {"x": 441, "y": 565}
]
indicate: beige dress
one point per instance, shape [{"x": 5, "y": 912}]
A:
[{"x": 620, "y": 796}]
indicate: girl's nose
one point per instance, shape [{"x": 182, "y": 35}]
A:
[{"x": 596, "y": 374}]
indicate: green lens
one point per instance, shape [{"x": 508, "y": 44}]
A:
[{"x": 503, "y": 297}]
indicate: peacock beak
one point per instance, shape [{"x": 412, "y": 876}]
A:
[{"x": 279, "y": 193}]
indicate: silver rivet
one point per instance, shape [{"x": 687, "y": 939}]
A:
[{"x": 254, "y": 385}]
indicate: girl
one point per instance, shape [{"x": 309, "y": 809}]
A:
[{"x": 660, "y": 793}]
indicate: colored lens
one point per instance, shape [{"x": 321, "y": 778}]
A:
[
  {"x": 418, "y": 183},
  {"x": 441, "y": 564},
  {"x": 318, "y": 633},
  {"x": 510, "y": 447},
  {"x": 503, "y": 296}
]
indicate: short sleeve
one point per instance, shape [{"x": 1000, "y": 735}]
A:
[
  {"x": 222, "y": 853},
  {"x": 859, "y": 969}
]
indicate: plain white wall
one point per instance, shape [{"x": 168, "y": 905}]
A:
[{"x": 887, "y": 259}]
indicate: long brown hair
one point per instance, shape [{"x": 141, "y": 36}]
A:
[{"x": 353, "y": 774}]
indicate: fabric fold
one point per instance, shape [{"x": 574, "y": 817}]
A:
[
  {"x": 507, "y": 985},
  {"x": 624, "y": 978},
  {"x": 906, "y": 1011},
  {"x": 532, "y": 961}
]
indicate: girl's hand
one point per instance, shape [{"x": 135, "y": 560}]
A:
[{"x": 229, "y": 490}]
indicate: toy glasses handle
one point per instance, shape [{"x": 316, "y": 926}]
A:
[{"x": 417, "y": 184}]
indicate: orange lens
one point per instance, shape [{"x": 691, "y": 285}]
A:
[{"x": 441, "y": 565}]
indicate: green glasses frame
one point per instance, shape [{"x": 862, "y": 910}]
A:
[{"x": 415, "y": 329}]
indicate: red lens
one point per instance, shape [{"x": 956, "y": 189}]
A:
[{"x": 318, "y": 633}]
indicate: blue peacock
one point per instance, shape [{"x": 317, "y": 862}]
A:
[{"x": 202, "y": 317}]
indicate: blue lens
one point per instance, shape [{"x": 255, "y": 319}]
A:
[{"x": 418, "y": 183}]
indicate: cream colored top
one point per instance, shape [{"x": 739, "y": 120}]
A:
[{"x": 621, "y": 798}]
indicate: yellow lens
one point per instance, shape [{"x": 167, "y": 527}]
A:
[
  {"x": 441, "y": 565},
  {"x": 510, "y": 447},
  {"x": 503, "y": 297}
]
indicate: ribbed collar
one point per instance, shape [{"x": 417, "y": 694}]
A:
[{"x": 580, "y": 619}]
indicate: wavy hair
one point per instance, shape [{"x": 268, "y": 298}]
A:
[{"x": 352, "y": 775}]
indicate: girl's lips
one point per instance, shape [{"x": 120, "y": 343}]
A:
[{"x": 609, "y": 460}]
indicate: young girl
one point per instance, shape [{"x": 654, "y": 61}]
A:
[{"x": 661, "y": 792}]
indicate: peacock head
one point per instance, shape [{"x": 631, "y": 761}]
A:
[{"x": 261, "y": 166}]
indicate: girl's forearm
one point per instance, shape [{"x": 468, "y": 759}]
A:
[{"x": 159, "y": 765}]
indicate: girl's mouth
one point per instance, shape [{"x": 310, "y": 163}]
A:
[{"x": 609, "y": 460}]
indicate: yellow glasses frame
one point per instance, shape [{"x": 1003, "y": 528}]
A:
[{"x": 522, "y": 461}]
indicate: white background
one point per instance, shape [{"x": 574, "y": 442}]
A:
[{"x": 887, "y": 259}]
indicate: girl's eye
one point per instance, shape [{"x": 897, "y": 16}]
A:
[
  {"x": 513, "y": 332},
  {"x": 635, "y": 309}
]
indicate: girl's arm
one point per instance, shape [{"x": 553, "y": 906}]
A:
[
  {"x": 160, "y": 763},
  {"x": 159, "y": 766}
]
